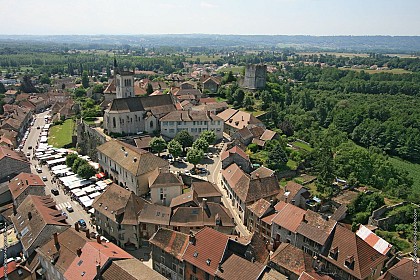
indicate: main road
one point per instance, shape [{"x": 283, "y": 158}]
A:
[{"x": 62, "y": 200}]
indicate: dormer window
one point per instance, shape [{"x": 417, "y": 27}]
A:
[
  {"x": 334, "y": 253},
  {"x": 349, "y": 262}
]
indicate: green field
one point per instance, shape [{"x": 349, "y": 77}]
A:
[
  {"x": 204, "y": 58},
  {"x": 60, "y": 135},
  {"x": 413, "y": 170},
  {"x": 234, "y": 69},
  {"x": 370, "y": 71}
]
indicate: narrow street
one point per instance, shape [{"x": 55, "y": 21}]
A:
[
  {"x": 61, "y": 200},
  {"x": 216, "y": 178}
]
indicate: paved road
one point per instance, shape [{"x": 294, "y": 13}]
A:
[{"x": 62, "y": 200}]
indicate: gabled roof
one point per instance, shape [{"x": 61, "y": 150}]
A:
[
  {"x": 349, "y": 245},
  {"x": 63, "y": 255},
  {"x": 111, "y": 87},
  {"x": 289, "y": 192},
  {"x": 93, "y": 253},
  {"x": 119, "y": 205},
  {"x": 262, "y": 172},
  {"x": 160, "y": 179},
  {"x": 143, "y": 142},
  {"x": 135, "y": 160},
  {"x": 24, "y": 181},
  {"x": 248, "y": 189},
  {"x": 130, "y": 269},
  {"x": 316, "y": 227},
  {"x": 184, "y": 198},
  {"x": 204, "y": 215},
  {"x": 260, "y": 207},
  {"x": 289, "y": 216},
  {"x": 207, "y": 251},
  {"x": 205, "y": 189},
  {"x": 291, "y": 258},
  {"x": 373, "y": 240},
  {"x": 155, "y": 104},
  {"x": 33, "y": 215},
  {"x": 268, "y": 135},
  {"x": 238, "y": 119},
  {"x": 172, "y": 242},
  {"x": 155, "y": 214},
  {"x": 8, "y": 153},
  {"x": 236, "y": 267},
  {"x": 402, "y": 270},
  {"x": 234, "y": 151}
]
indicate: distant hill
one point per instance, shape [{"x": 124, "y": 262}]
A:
[{"x": 401, "y": 44}]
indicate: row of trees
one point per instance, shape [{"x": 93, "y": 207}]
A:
[
  {"x": 183, "y": 140},
  {"x": 80, "y": 166}
]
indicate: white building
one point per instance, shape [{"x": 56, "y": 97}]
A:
[{"x": 194, "y": 122}]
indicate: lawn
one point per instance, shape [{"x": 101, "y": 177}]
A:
[
  {"x": 413, "y": 170},
  {"x": 303, "y": 146},
  {"x": 60, "y": 135}
]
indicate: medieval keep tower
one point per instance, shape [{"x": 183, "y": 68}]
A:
[{"x": 255, "y": 76}]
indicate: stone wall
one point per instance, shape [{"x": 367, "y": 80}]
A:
[
  {"x": 88, "y": 138},
  {"x": 384, "y": 223},
  {"x": 255, "y": 76}
]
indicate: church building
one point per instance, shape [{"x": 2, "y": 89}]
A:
[{"x": 130, "y": 114}]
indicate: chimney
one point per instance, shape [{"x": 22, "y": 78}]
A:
[
  {"x": 87, "y": 234},
  {"x": 56, "y": 239},
  {"x": 98, "y": 271},
  {"x": 14, "y": 209},
  {"x": 271, "y": 203},
  {"x": 79, "y": 252},
  {"x": 258, "y": 176},
  {"x": 98, "y": 239},
  {"x": 27, "y": 183},
  {"x": 191, "y": 238},
  {"x": 76, "y": 226},
  {"x": 204, "y": 203},
  {"x": 29, "y": 216}
]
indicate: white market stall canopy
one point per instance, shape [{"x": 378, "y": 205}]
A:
[
  {"x": 55, "y": 161},
  {"x": 93, "y": 195},
  {"x": 59, "y": 167}
]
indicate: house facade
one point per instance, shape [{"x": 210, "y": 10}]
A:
[
  {"x": 128, "y": 165},
  {"x": 194, "y": 122},
  {"x": 12, "y": 163}
]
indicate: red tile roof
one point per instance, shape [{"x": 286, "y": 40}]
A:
[
  {"x": 289, "y": 217},
  {"x": 236, "y": 267},
  {"x": 93, "y": 253},
  {"x": 22, "y": 181},
  {"x": 207, "y": 251},
  {"x": 170, "y": 241},
  {"x": 349, "y": 244},
  {"x": 6, "y": 152},
  {"x": 232, "y": 151},
  {"x": 402, "y": 270},
  {"x": 291, "y": 258},
  {"x": 11, "y": 266}
]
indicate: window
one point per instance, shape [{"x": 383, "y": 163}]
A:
[
  {"x": 114, "y": 123},
  {"x": 162, "y": 259},
  {"x": 143, "y": 226},
  {"x": 171, "y": 123},
  {"x": 151, "y": 124},
  {"x": 179, "y": 123},
  {"x": 174, "y": 267},
  {"x": 194, "y": 269},
  {"x": 207, "y": 276},
  {"x": 181, "y": 270}
]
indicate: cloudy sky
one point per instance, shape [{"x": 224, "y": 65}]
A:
[{"x": 289, "y": 17}]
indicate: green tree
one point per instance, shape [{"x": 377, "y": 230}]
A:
[
  {"x": 2, "y": 88},
  {"x": 248, "y": 102},
  {"x": 201, "y": 144},
  {"x": 209, "y": 136},
  {"x": 149, "y": 89},
  {"x": 184, "y": 138},
  {"x": 45, "y": 80},
  {"x": 63, "y": 86},
  {"x": 85, "y": 79},
  {"x": 98, "y": 88},
  {"x": 79, "y": 92},
  {"x": 70, "y": 158},
  {"x": 277, "y": 155},
  {"x": 266, "y": 99},
  {"x": 174, "y": 148},
  {"x": 86, "y": 171},
  {"x": 77, "y": 162},
  {"x": 194, "y": 156},
  {"x": 158, "y": 144},
  {"x": 229, "y": 78},
  {"x": 324, "y": 165}
]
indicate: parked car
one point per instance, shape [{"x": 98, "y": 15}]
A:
[
  {"x": 44, "y": 178},
  {"x": 82, "y": 224},
  {"x": 70, "y": 209},
  {"x": 38, "y": 127},
  {"x": 38, "y": 169},
  {"x": 30, "y": 148},
  {"x": 64, "y": 214},
  {"x": 187, "y": 172},
  {"x": 55, "y": 192},
  {"x": 28, "y": 154}
]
